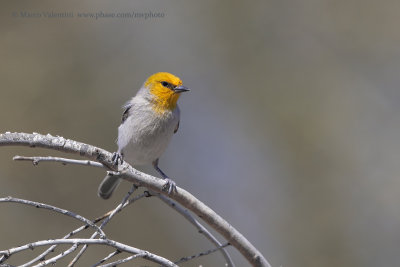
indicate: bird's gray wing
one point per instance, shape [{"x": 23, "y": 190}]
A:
[
  {"x": 126, "y": 112},
  {"x": 177, "y": 127}
]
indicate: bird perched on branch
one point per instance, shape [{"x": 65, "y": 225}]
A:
[{"x": 148, "y": 123}]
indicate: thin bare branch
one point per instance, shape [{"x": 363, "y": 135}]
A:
[
  {"x": 185, "y": 213},
  {"x": 117, "y": 209},
  {"x": 115, "y": 263},
  {"x": 185, "y": 259},
  {"x": 58, "y": 210},
  {"x": 130, "y": 201},
  {"x": 109, "y": 256},
  {"x": 82, "y": 241},
  {"x": 51, "y": 249},
  {"x": 59, "y": 256},
  {"x": 64, "y": 161},
  {"x": 141, "y": 179},
  {"x": 74, "y": 232}
]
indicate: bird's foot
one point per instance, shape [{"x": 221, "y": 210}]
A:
[
  {"x": 169, "y": 185},
  {"x": 117, "y": 157}
]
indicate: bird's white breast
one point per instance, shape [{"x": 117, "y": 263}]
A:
[{"x": 145, "y": 134}]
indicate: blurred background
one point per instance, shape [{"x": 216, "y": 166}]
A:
[{"x": 290, "y": 131}]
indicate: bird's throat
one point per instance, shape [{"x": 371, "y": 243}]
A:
[{"x": 164, "y": 102}]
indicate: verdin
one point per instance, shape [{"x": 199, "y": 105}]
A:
[{"x": 148, "y": 123}]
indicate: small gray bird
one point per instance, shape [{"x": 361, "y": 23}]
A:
[{"x": 148, "y": 123}]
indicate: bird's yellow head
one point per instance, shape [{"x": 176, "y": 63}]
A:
[{"x": 165, "y": 89}]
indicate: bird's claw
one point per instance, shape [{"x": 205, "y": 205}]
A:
[
  {"x": 169, "y": 185},
  {"x": 116, "y": 157}
]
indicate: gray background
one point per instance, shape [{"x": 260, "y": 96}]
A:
[{"x": 290, "y": 131}]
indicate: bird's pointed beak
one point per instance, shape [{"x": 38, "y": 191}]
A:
[{"x": 181, "y": 89}]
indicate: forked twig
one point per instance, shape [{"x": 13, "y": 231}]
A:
[
  {"x": 58, "y": 210},
  {"x": 104, "y": 223},
  {"x": 74, "y": 232},
  {"x": 82, "y": 241},
  {"x": 185, "y": 213},
  {"x": 178, "y": 208},
  {"x": 128, "y": 173}
]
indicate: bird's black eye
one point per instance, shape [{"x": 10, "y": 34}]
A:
[{"x": 165, "y": 84}]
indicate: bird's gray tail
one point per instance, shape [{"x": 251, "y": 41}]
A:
[{"x": 108, "y": 186}]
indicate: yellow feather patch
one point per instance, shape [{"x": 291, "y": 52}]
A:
[{"x": 165, "y": 98}]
